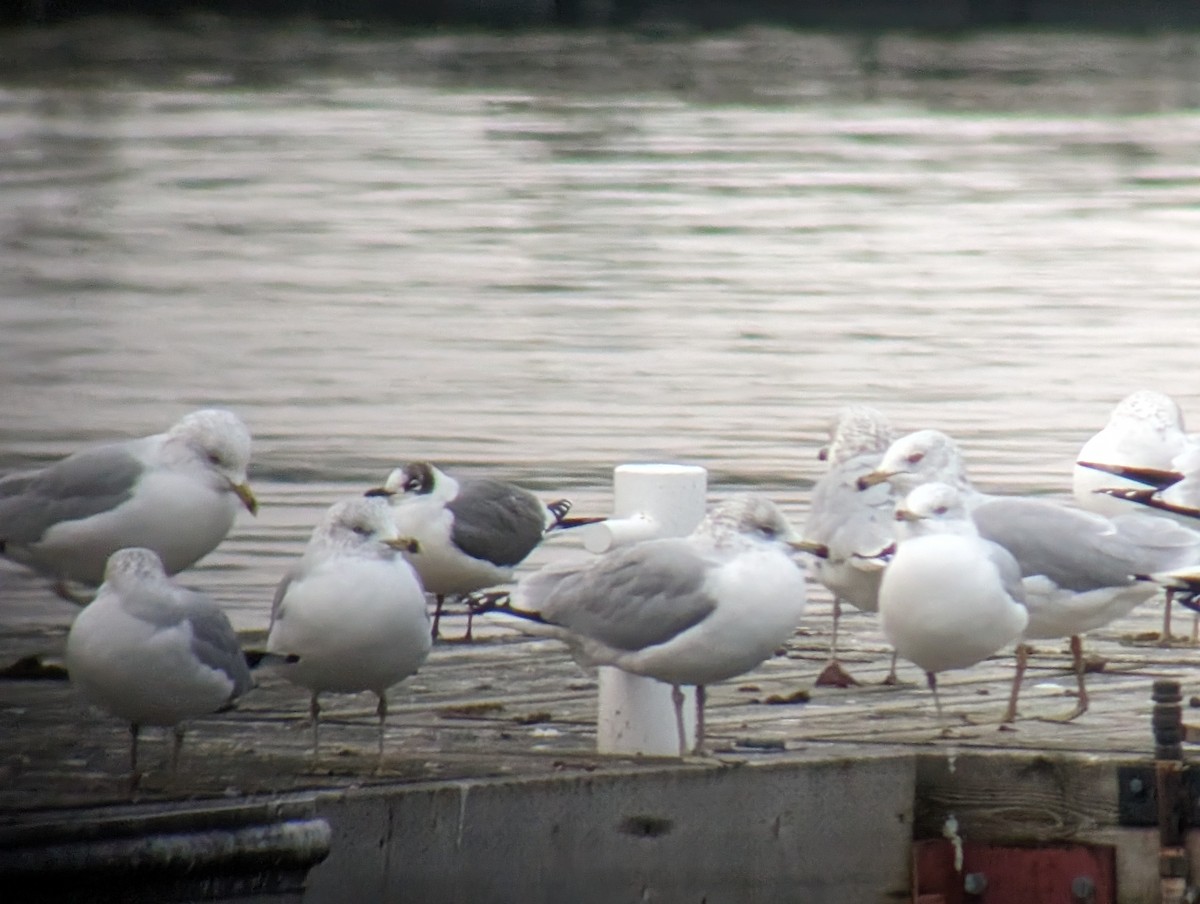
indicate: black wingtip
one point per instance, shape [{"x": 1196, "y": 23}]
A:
[
  {"x": 1150, "y": 477},
  {"x": 579, "y": 521},
  {"x": 257, "y": 658},
  {"x": 498, "y": 601},
  {"x": 1129, "y": 494}
]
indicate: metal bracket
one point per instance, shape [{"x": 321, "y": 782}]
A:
[{"x": 1137, "y": 796}]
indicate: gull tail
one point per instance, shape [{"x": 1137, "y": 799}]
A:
[{"x": 559, "y": 509}]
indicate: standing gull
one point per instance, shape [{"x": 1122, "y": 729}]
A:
[
  {"x": 684, "y": 611},
  {"x": 176, "y": 493},
  {"x": 848, "y": 530},
  {"x": 350, "y": 615},
  {"x": 152, "y": 652},
  {"x": 1137, "y": 461},
  {"x": 948, "y": 598},
  {"x": 471, "y": 534},
  {"x": 1080, "y": 570}
]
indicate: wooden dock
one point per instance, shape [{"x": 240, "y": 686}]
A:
[{"x": 511, "y": 707}]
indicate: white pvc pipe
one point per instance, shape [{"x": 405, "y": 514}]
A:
[{"x": 636, "y": 714}]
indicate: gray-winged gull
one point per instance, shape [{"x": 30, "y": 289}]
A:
[
  {"x": 949, "y": 598},
  {"x": 176, "y": 493},
  {"x": 470, "y": 533},
  {"x": 849, "y": 531},
  {"x": 685, "y": 611},
  {"x": 1080, "y": 570},
  {"x": 152, "y": 652},
  {"x": 350, "y": 614}
]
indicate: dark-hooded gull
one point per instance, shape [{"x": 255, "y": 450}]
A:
[{"x": 470, "y": 533}]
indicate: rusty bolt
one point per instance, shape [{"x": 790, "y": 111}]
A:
[
  {"x": 1083, "y": 889},
  {"x": 975, "y": 883}
]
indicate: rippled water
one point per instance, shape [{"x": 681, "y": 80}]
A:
[{"x": 539, "y": 256}]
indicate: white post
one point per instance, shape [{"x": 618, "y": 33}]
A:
[{"x": 636, "y": 714}]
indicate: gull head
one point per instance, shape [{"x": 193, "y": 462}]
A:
[
  {"x": 916, "y": 458},
  {"x": 1147, "y": 408},
  {"x": 220, "y": 442},
  {"x": 856, "y": 430},
  {"x": 132, "y": 566},
  {"x": 747, "y": 515},
  {"x": 417, "y": 478},
  {"x": 933, "y": 508},
  {"x": 361, "y": 526}
]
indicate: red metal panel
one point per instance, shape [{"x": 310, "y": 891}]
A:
[{"x": 1047, "y": 874}]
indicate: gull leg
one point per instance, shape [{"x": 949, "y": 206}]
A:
[
  {"x": 135, "y": 777},
  {"x": 176, "y": 747},
  {"x": 314, "y": 712},
  {"x": 470, "y": 618},
  {"x": 1010, "y": 714},
  {"x": 1080, "y": 669},
  {"x": 701, "y": 696},
  {"x": 677, "y": 699},
  {"x": 1165, "y": 640},
  {"x": 892, "y": 679},
  {"x": 833, "y": 675},
  {"x": 437, "y": 614},
  {"x": 931, "y": 679},
  {"x": 381, "y": 711}
]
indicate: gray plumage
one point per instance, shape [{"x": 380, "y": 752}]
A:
[
  {"x": 633, "y": 598},
  {"x": 1080, "y": 551},
  {"x": 496, "y": 521},
  {"x": 82, "y": 485}
]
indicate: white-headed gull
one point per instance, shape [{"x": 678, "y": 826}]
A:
[
  {"x": 949, "y": 598},
  {"x": 1081, "y": 570},
  {"x": 152, "y": 652},
  {"x": 176, "y": 493},
  {"x": 685, "y": 611},
  {"x": 350, "y": 615},
  {"x": 849, "y": 531}
]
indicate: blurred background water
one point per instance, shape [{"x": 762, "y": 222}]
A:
[{"x": 539, "y": 255}]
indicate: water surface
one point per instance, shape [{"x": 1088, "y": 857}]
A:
[{"x": 538, "y": 256}]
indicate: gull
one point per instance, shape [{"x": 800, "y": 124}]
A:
[
  {"x": 1144, "y": 434},
  {"x": 685, "y": 611},
  {"x": 176, "y": 493},
  {"x": 350, "y": 615},
  {"x": 471, "y": 534},
  {"x": 1080, "y": 570},
  {"x": 152, "y": 652},
  {"x": 948, "y": 598},
  {"x": 1140, "y": 460},
  {"x": 849, "y": 531}
]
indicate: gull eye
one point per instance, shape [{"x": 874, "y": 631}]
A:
[
  {"x": 362, "y": 530},
  {"x": 768, "y": 531},
  {"x": 915, "y": 458},
  {"x": 941, "y": 510},
  {"x": 214, "y": 458}
]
